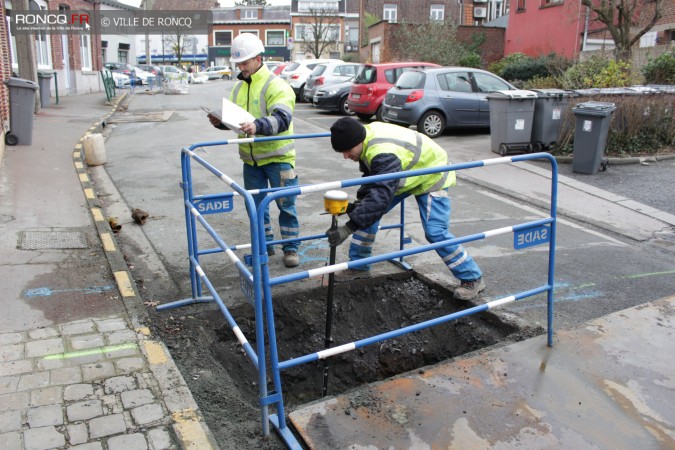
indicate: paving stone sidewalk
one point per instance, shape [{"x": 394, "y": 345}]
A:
[{"x": 94, "y": 384}]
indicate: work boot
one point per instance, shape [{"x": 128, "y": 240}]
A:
[
  {"x": 469, "y": 289},
  {"x": 351, "y": 274},
  {"x": 271, "y": 251},
  {"x": 291, "y": 258}
]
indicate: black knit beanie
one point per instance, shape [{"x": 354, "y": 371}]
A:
[{"x": 346, "y": 133}]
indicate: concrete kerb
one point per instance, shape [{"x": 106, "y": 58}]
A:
[
  {"x": 188, "y": 424},
  {"x": 629, "y": 160}
]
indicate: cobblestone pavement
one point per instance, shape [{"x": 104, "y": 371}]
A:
[{"x": 93, "y": 384}]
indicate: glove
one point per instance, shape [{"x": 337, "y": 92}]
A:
[{"x": 337, "y": 236}]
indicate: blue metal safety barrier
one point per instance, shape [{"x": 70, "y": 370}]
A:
[{"x": 256, "y": 282}]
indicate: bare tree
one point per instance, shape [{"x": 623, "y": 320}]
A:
[
  {"x": 179, "y": 43},
  {"x": 625, "y": 20},
  {"x": 251, "y": 3},
  {"x": 322, "y": 31}
]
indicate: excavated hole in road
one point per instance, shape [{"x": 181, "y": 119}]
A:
[{"x": 362, "y": 308}]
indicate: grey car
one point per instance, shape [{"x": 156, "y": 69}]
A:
[
  {"x": 440, "y": 98},
  {"x": 334, "y": 97},
  {"x": 328, "y": 73}
]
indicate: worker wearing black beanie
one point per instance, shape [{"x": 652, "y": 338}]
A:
[
  {"x": 383, "y": 149},
  {"x": 346, "y": 133}
]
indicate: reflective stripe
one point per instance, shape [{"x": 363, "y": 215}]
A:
[
  {"x": 263, "y": 102},
  {"x": 453, "y": 254},
  {"x": 275, "y": 124},
  {"x": 364, "y": 235},
  {"x": 415, "y": 149},
  {"x": 458, "y": 262},
  {"x": 261, "y": 156}
]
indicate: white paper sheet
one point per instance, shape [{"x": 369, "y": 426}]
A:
[{"x": 233, "y": 116}]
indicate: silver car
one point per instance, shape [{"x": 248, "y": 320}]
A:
[
  {"x": 326, "y": 74},
  {"x": 440, "y": 98}
]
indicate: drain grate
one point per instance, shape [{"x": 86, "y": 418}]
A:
[{"x": 42, "y": 240}]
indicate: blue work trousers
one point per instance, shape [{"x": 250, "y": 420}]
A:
[
  {"x": 276, "y": 175},
  {"x": 435, "y": 214}
]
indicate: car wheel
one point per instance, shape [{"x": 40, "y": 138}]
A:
[
  {"x": 364, "y": 116},
  {"x": 432, "y": 124},
  {"x": 226, "y": 77},
  {"x": 300, "y": 98},
  {"x": 379, "y": 115},
  {"x": 344, "y": 107}
]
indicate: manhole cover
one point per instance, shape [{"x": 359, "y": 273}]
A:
[{"x": 41, "y": 240}]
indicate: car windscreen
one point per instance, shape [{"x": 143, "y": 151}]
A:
[
  {"x": 367, "y": 74},
  {"x": 411, "y": 80},
  {"x": 291, "y": 67}
]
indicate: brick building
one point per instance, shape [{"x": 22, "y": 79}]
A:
[
  {"x": 270, "y": 23},
  {"x": 5, "y": 73},
  {"x": 379, "y": 40}
]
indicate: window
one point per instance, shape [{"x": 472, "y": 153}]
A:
[
  {"x": 488, "y": 83},
  {"x": 41, "y": 41},
  {"x": 521, "y": 5},
  {"x": 389, "y": 13},
  {"x": 253, "y": 32},
  {"x": 249, "y": 14},
  {"x": 551, "y": 2},
  {"x": 123, "y": 56},
  {"x": 222, "y": 37},
  {"x": 455, "y": 81},
  {"x": 437, "y": 13},
  {"x": 85, "y": 50},
  {"x": 12, "y": 46},
  {"x": 315, "y": 6},
  {"x": 276, "y": 38},
  {"x": 306, "y": 32}
]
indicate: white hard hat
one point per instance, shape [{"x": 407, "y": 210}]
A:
[{"x": 246, "y": 46}]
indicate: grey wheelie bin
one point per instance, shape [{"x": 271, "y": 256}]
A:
[
  {"x": 590, "y": 136},
  {"x": 549, "y": 108},
  {"x": 45, "y": 80},
  {"x": 21, "y": 109},
  {"x": 511, "y": 114}
]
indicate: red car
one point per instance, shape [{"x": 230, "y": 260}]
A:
[
  {"x": 372, "y": 83},
  {"x": 276, "y": 67}
]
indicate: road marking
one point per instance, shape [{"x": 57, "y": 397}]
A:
[
  {"x": 89, "y": 193},
  {"x": 98, "y": 215},
  {"x": 45, "y": 291},
  {"x": 84, "y": 178},
  {"x": 92, "y": 351},
  {"x": 650, "y": 274},
  {"x": 546, "y": 214},
  {"x": 155, "y": 352},
  {"x": 124, "y": 284}
]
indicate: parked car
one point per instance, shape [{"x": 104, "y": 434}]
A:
[
  {"x": 155, "y": 70},
  {"x": 173, "y": 73},
  {"x": 325, "y": 74},
  {"x": 120, "y": 79},
  {"x": 334, "y": 97},
  {"x": 218, "y": 72},
  {"x": 142, "y": 75},
  {"x": 276, "y": 67},
  {"x": 126, "y": 69},
  {"x": 372, "y": 83},
  {"x": 296, "y": 73},
  {"x": 447, "y": 97}
]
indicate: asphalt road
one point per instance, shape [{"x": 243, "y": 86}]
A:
[{"x": 597, "y": 271}]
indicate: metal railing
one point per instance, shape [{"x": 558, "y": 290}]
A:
[{"x": 256, "y": 282}]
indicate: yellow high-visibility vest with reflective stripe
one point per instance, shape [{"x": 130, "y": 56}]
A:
[
  {"x": 265, "y": 93},
  {"x": 414, "y": 150}
]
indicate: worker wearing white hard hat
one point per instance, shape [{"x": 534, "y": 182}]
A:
[{"x": 266, "y": 164}]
